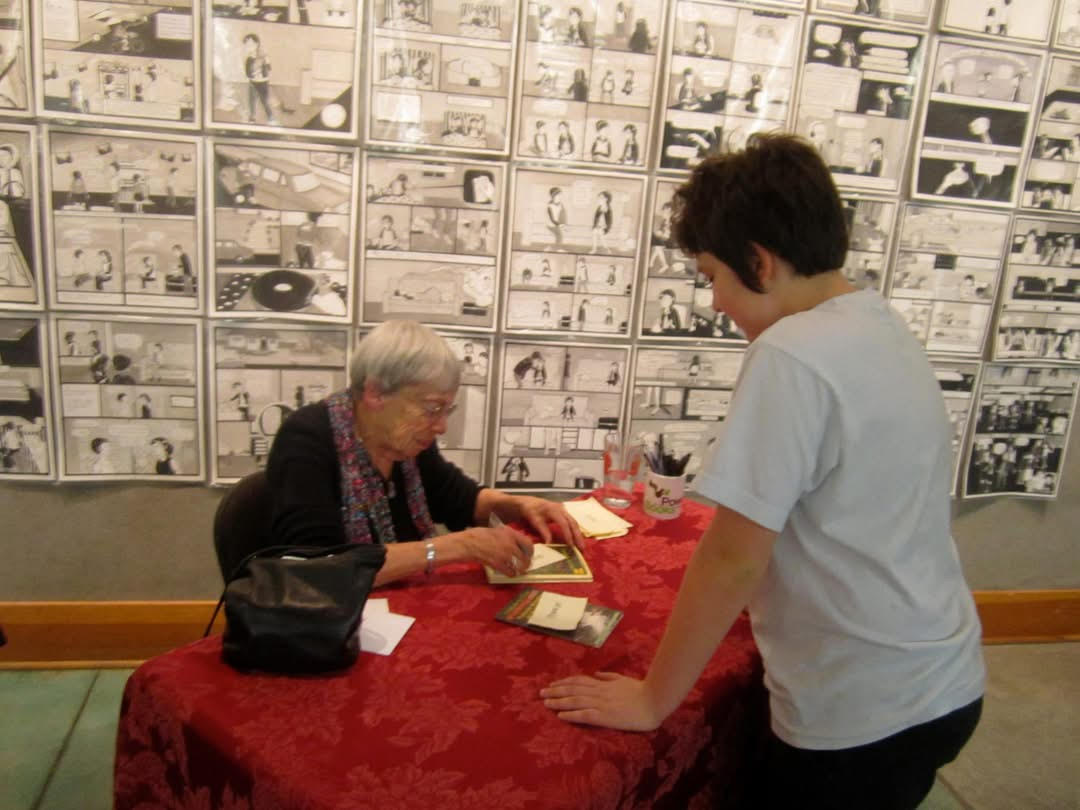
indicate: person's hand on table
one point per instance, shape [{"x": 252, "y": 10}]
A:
[
  {"x": 540, "y": 514},
  {"x": 609, "y": 700},
  {"x": 507, "y": 551}
]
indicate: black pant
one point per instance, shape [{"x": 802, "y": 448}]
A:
[{"x": 895, "y": 773}]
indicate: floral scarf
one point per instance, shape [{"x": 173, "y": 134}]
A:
[{"x": 364, "y": 503}]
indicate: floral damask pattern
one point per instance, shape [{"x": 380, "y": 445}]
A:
[{"x": 452, "y": 719}]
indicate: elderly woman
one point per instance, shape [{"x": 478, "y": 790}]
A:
[{"x": 362, "y": 466}]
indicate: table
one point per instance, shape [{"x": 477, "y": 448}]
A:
[{"x": 452, "y": 719}]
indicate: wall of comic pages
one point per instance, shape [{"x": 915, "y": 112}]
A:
[{"x": 205, "y": 203}]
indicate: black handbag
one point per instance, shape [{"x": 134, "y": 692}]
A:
[{"x": 297, "y": 609}]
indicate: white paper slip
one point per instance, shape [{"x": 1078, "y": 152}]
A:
[
  {"x": 372, "y": 606},
  {"x": 609, "y": 536},
  {"x": 595, "y": 520},
  {"x": 558, "y": 612},
  {"x": 543, "y": 555},
  {"x": 381, "y": 632}
]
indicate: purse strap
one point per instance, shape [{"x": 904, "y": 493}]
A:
[{"x": 307, "y": 552}]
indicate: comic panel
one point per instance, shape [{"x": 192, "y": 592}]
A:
[
  {"x": 569, "y": 293},
  {"x": 119, "y": 62},
  {"x": 856, "y": 99},
  {"x": 1023, "y": 416},
  {"x": 1050, "y": 183},
  {"x": 730, "y": 73},
  {"x": 563, "y": 23},
  {"x": 870, "y": 228},
  {"x": 557, "y": 402},
  {"x": 551, "y": 129},
  {"x": 676, "y": 300},
  {"x": 15, "y": 51},
  {"x": 25, "y": 406},
  {"x": 583, "y": 213},
  {"x": 493, "y": 20},
  {"x": 127, "y": 263},
  {"x": 584, "y": 244},
  {"x": 953, "y": 231},
  {"x": 276, "y": 66},
  {"x": 590, "y": 69},
  {"x": 588, "y": 134},
  {"x": 616, "y": 135},
  {"x": 441, "y": 76},
  {"x": 1043, "y": 270},
  {"x": 330, "y": 13},
  {"x": 958, "y": 380},
  {"x": 261, "y": 375},
  {"x": 966, "y": 175},
  {"x": 1026, "y": 23},
  {"x": 910, "y": 12},
  {"x": 454, "y": 290},
  {"x": 975, "y": 123},
  {"x": 282, "y": 230},
  {"x": 1067, "y": 30},
  {"x": 947, "y": 269},
  {"x": 1037, "y": 336},
  {"x": 431, "y": 236},
  {"x": 681, "y": 394},
  {"x": 129, "y": 398},
  {"x": 20, "y": 240},
  {"x": 124, "y": 233}
]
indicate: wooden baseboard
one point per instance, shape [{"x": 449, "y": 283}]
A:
[
  {"x": 1022, "y": 617},
  {"x": 78, "y": 635},
  {"x": 75, "y": 635}
]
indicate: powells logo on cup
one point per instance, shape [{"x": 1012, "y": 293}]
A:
[{"x": 661, "y": 501}]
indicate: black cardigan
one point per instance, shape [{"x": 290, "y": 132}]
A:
[{"x": 305, "y": 481}]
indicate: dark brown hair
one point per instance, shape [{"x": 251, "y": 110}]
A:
[{"x": 776, "y": 192}]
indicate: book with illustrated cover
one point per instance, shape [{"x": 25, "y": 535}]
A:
[
  {"x": 550, "y": 563},
  {"x": 592, "y": 630}
]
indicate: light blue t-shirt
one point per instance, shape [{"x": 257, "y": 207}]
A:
[{"x": 838, "y": 439}]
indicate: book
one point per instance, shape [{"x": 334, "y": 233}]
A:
[
  {"x": 596, "y": 521},
  {"x": 592, "y": 630},
  {"x": 551, "y": 563}
]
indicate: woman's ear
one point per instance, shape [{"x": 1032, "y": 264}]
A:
[{"x": 372, "y": 397}]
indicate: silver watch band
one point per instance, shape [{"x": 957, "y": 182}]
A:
[{"x": 429, "y": 556}]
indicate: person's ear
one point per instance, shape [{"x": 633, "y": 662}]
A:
[
  {"x": 763, "y": 264},
  {"x": 373, "y": 397}
]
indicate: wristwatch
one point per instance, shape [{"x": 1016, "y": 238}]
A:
[{"x": 429, "y": 555}]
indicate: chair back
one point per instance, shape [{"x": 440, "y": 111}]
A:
[{"x": 242, "y": 521}]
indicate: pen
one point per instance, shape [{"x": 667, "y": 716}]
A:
[
  {"x": 681, "y": 464},
  {"x": 654, "y": 462}
]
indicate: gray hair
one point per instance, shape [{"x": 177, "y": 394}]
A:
[{"x": 399, "y": 353}]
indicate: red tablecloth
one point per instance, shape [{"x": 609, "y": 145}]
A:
[{"x": 452, "y": 719}]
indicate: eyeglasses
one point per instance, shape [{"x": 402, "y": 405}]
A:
[{"x": 436, "y": 410}]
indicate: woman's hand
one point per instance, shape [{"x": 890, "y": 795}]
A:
[
  {"x": 507, "y": 551},
  {"x": 609, "y": 700},
  {"x": 541, "y": 514},
  {"x": 536, "y": 513}
]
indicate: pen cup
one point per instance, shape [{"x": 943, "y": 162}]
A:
[
  {"x": 663, "y": 495},
  {"x": 620, "y": 469}
]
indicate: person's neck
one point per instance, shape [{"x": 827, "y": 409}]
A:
[
  {"x": 382, "y": 458},
  {"x": 803, "y": 293}
]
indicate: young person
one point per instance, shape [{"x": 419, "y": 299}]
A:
[{"x": 831, "y": 477}]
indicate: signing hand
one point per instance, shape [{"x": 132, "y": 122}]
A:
[
  {"x": 541, "y": 514},
  {"x": 609, "y": 700},
  {"x": 507, "y": 551}
]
